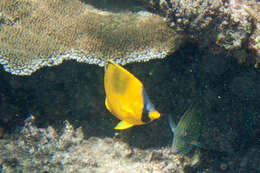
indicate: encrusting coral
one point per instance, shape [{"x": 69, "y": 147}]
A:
[
  {"x": 208, "y": 21},
  {"x": 215, "y": 26},
  {"x": 34, "y": 34}
]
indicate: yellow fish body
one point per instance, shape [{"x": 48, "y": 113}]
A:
[{"x": 126, "y": 98}]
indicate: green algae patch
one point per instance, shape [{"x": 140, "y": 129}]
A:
[{"x": 34, "y": 34}]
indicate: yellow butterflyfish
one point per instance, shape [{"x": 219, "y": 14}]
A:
[{"x": 126, "y": 98}]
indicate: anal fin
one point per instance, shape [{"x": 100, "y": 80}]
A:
[{"x": 123, "y": 125}]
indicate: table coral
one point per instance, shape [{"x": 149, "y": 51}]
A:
[{"x": 34, "y": 34}]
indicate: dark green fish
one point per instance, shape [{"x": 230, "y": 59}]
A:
[{"x": 188, "y": 130}]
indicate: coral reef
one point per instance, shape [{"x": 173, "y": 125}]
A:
[
  {"x": 45, "y": 150},
  {"x": 34, "y": 34},
  {"x": 39, "y": 150},
  {"x": 253, "y": 10},
  {"x": 35, "y": 149},
  {"x": 75, "y": 92},
  {"x": 216, "y": 26},
  {"x": 200, "y": 71},
  {"x": 209, "y": 21}
]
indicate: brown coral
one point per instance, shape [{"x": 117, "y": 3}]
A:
[{"x": 34, "y": 34}]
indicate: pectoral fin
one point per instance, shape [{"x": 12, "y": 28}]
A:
[
  {"x": 171, "y": 124},
  {"x": 123, "y": 125}
]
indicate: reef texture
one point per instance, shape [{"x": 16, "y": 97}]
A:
[
  {"x": 254, "y": 42},
  {"x": 36, "y": 150},
  {"x": 44, "y": 150},
  {"x": 216, "y": 26},
  {"x": 34, "y": 34},
  {"x": 71, "y": 91}
]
